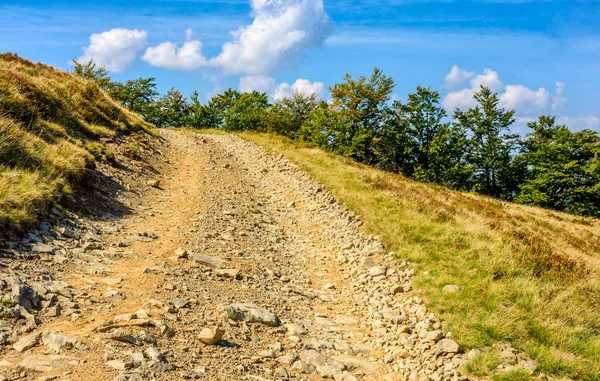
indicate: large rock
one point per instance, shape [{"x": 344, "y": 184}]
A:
[
  {"x": 22, "y": 294},
  {"x": 250, "y": 313},
  {"x": 358, "y": 365}
]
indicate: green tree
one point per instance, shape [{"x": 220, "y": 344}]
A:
[
  {"x": 98, "y": 74},
  {"x": 491, "y": 147},
  {"x": 438, "y": 147},
  {"x": 247, "y": 112},
  {"x": 137, "y": 95},
  {"x": 292, "y": 114},
  {"x": 361, "y": 105},
  {"x": 170, "y": 110},
  {"x": 564, "y": 168}
]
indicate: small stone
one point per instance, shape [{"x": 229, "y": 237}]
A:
[
  {"x": 227, "y": 273},
  {"x": 27, "y": 342},
  {"x": 451, "y": 288},
  {"x": 180, "y": 303},
  {"x": 210, "y": 336},
  {"x": 153, "y": 183},
  {"x": 250, "y": 313},
  {"x": 43, "y": 249},
  {"x": 434, "y": 336},
  {"x": 180, "y": 252},
  {"x": 447, "y": 346},
  {"x": 376, "y": 271},
  {"x": 119, "y": 364}
]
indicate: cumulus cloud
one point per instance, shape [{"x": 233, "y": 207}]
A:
[
  {"x": 282, "y": 30},
  {"x": 457, "y": 77},
  {"x": 115, "y": 49},
  {"x": 525, "y": 101},
  {"x": 275, "y": 91},
  {"x": 167, "y": 55},
  {"x": 580, "y": 123}
]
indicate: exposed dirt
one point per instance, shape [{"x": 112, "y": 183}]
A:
[{"x": 136, "y": 291}]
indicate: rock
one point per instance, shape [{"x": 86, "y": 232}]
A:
[
  {"x": 154, "y": 354},
  {"x": 358, "y": 365},
  {"x": 22, "y": 294},
  {"x": 41, "y": 248},
  {"x": 119, "y": 364},
  {"x": 227, "y": 273},
  {"x": 295, "y": 330},
  {"x": 27, "y": 342},
  {"x": 206, "y": 260},
  {"x": 89, "y": 246},
  {"x": 473, "y": 353},
  {"x": 377, "y": 271},
  {"x": 446, "y": 346},
  {"x": 300, "y": 367},
  {"x": 287, "y": 359},
  {"x": 451, "y": 288},
  {"x": 180, "y": 303},
  {"x": 53, "y": 311},
  {"x": 434, "y": 336},
  {"x": 66, "y": 232},
  {"x": 57, "y": 341},
  {"x": 153, "y": 183},
  {"x": 180, "y": 252},
  {"x": 267, "y": 354},
  {"x": 46, "y": 363},
  {"x": 165, "y": 330},
  {"x": 366, "y": 264},
  {"x": 122, "y": 336},
  {"x": 250, "y": 313},
  {"x": 210, "y": 336},
  {"x": 325, "y": 365},
  {"x": 111, "y": 281}
]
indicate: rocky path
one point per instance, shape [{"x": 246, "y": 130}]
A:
[{"x": 235, "y": 266}]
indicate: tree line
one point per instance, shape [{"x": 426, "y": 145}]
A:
[{"x": 473, "y": 150}]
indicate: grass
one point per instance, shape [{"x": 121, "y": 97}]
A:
[
  {"x": 51, "y": 129},
  {"x": 527, "y": 276}
]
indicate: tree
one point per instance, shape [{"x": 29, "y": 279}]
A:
[
  {"x": 137, "y": 95},
  {"x": 564, "y": 168},
  {"x": 490, "y": 147},
  {"x": 437, "y": 147},
  {"x": 246, "y": 112},
  {"x": 361, "y": 104},
  {"x": 293, "y": 112},
  {"x": 170, "y": 110},
  {"x": 98, "y": 74}
]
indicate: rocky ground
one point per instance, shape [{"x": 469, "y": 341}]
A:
[{"x": 207, "y": 258}]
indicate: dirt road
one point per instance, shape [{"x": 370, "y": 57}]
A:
[{"x": 237, "y": 266}]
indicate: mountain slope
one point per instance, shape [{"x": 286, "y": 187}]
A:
[
  {"x": 526, "y": 276},
  {"x": 53, "y": 126}
]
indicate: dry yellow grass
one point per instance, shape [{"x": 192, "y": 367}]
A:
[
  {"x": 528, "y": 276},
  {"x": 51, "y": 123}
]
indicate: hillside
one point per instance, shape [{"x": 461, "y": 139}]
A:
[
  {"x": 53, "y": 127},
  {"x": 526, "y": 276}
]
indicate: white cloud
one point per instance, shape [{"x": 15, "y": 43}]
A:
[
  {"x": 275, "y": 91},
  {"x": 579, "y": 123},
  {"x": 282, "y": 30},
  {"x": 457, "y": 77},
  {"x": 526, "y": 102},
  {"x": 463, "y": 98},
  {"x": 260, "y": 83},
  {"x": 168, "y": 55},
  {"x": 115, "y": 49},
  {"x": 301, "y": 86}
]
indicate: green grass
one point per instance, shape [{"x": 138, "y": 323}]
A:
[
  {"x": 528, "y": 276},
  {"x": 51, "y": 123}
]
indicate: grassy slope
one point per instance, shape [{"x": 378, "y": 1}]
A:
[
  {"x": 51, "y": 126},
  {"x": 528, "y": 276}
]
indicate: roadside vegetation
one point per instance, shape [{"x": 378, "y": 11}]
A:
[
  {"x": 527, "y": 276},
  {"x": 473, "y": 150},
  {"x": 51, "y": 128}
]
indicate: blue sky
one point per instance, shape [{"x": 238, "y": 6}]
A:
[{"x": 543, "y": 57}]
